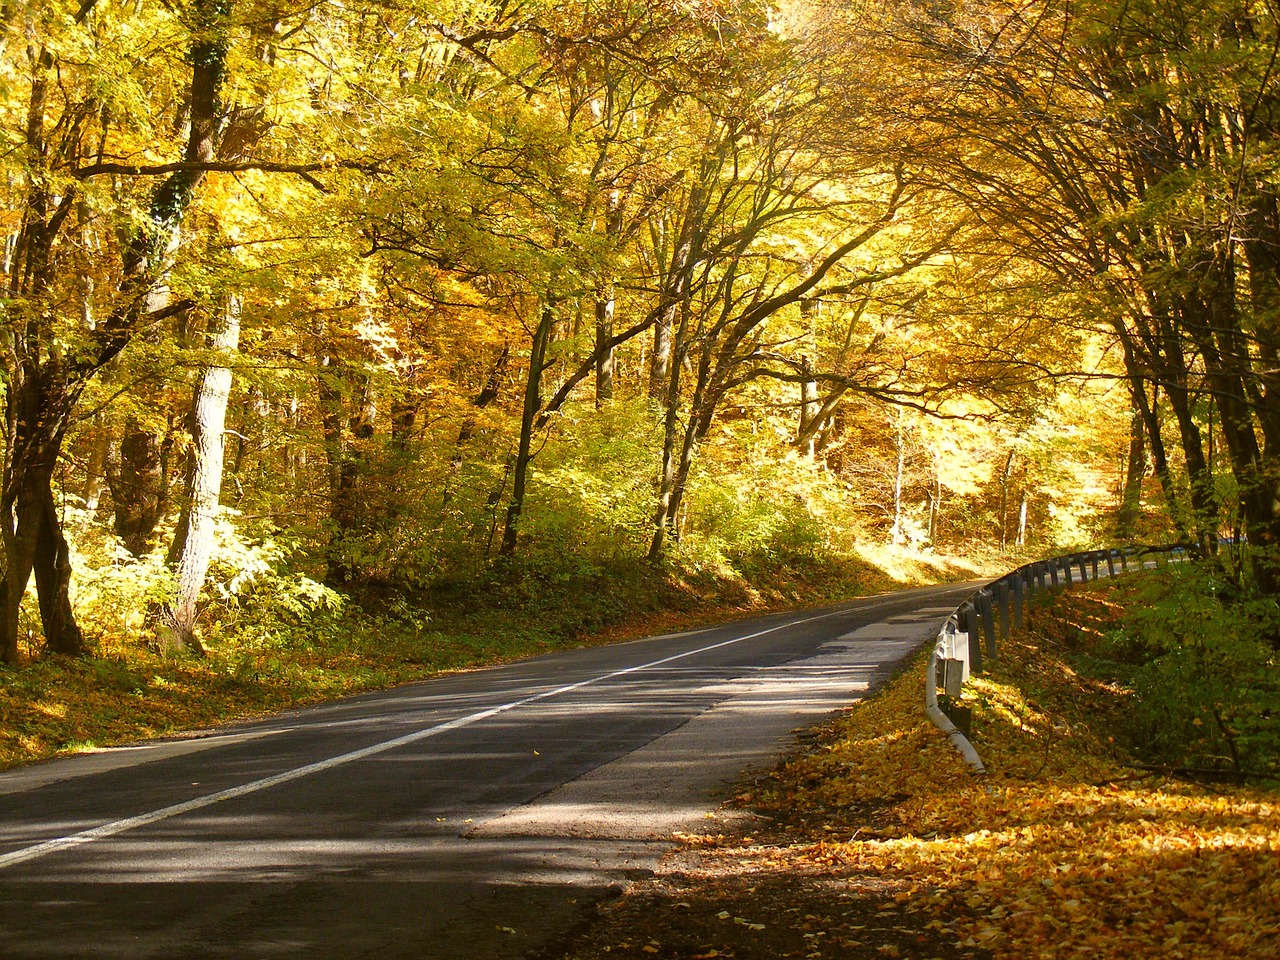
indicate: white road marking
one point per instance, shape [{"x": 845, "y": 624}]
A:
[{"x": 116, "y": 827}]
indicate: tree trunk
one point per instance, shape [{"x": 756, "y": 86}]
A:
[
  {"x": 811, "y": 434},
  {"x": 897, "y": 535},
  {"x": 139, "y": 488},
  {"x": 29, "y": 523},
  {"x": 529, "y": 413},
  {"x": 192, "y": 546},
  {"x": 605, "y": 306},
  {"x": 1005, "y": 475},
  {"x": 808, "y": 433},
  {"x": 660, "y": 356},
  {"x": 52, "y": 568},
  {"x": 606, "y": 300},
  {"x": 935, "y": 505},
  {"x": 97, "y": 467},
  {"x": 1135, "y": 470},
  {"x": 675, "y": 289},
  {"x": 669, "y": 486},
  {"x": 1204, "y": 501}
]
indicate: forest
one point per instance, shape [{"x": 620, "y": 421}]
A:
[{"x": 309, "y": 303}]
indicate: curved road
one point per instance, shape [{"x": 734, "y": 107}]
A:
[{"x": 477, "y": 815}]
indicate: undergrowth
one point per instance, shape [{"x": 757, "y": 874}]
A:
[{"x": 1192, "y": 658}]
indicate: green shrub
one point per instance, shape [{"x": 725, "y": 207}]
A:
[{"x": 1204, "y": 673}]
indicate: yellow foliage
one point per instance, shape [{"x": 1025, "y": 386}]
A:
[{"x": 1062, "y": 850}]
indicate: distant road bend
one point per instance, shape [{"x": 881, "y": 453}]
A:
[{"x": 476, "y": 816}]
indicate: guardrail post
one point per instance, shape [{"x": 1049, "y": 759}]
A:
[
  {"x": 1111, "y": 563},
  {"x": 969, "y": 624},
  {"x": 1002, "y": 604},
  {"x": 955, "y": 646},
  {"x": 1124, "y": 561},
  {"x": 1019, "y": 589},
  {"x": 1084, "y": 568},
  {"x": 987, "y": 613},
  {"x": 1053, "y": 575},
  {"x": 960, "y": 646},
  {"x": 1093, "y": 559},
  {"x": 949, "y": 674},
  {"x": 952, "y": 679},
  {"x": 1066, "y": 570}
]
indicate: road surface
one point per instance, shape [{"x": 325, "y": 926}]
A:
[{"x": 477, "y": 815}]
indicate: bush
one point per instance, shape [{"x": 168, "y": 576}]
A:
[{"x": 1204, "y": 674}]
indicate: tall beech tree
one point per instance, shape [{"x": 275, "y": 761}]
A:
[
  {"x": 193, "y": 539},
  {"x": 82, "y": 172}
]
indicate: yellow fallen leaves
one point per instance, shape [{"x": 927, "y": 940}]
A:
[
  {"x": 740, "y": 921},
  {"x": 1061, "y": 852}
]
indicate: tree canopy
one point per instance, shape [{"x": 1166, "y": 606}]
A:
[{"x": 313, "y": 299}]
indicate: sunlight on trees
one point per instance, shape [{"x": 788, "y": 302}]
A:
[{"x": 305, "y": 298}]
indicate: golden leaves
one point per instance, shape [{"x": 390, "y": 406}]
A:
[{"x": 1061, "y": 852}]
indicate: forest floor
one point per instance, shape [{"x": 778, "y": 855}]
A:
[
  {"x": 263, "y": 659},
  {"x": 873, "y": 841}
]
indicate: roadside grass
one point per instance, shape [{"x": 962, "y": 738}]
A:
[
  {"x": 873, "y": 840},
  {"x": 264, "y": 661}
]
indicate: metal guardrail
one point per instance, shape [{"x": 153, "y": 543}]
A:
[{"x": 972, "y": 633}]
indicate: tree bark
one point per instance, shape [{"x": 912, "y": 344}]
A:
[
  {"x": 897, "y": 535},
  {"x": 96, "y": 468},
  {"x": 1146, "y": 405},
  {"x": 1135, "y": 470},
  {"x": 193, "y": 541},
  {"x": 605, "y": 306},
  {"x": 660, "y": 355},
  {"x": 139, "y": 487},
  {"x": 1005, "y": 476},
  {"x": 37, "y": 411},
  {"x": 669, "y": 487},
  {"x": 935, "y": 503},
  {"x": 529, "y": 413},
  {"x": 807, "y": 435}
]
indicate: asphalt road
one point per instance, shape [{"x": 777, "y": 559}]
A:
[{"x": 478, "y": 815}]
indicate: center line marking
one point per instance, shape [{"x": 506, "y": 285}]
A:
[{"x": 111, "y": 829}]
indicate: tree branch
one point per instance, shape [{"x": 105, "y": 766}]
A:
[{"x": 303, "y": 170}]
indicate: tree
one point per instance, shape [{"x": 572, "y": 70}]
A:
[
  {"x": 1124, "y": 146},
  {"x": 47, "y": 363}
]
